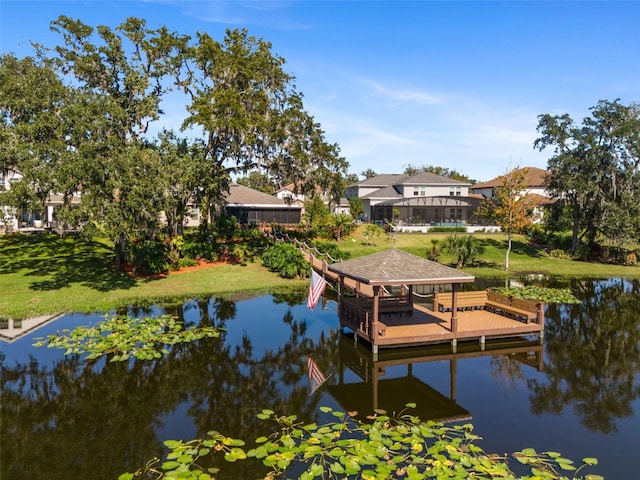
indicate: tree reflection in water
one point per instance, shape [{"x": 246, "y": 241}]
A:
[
  {"x": 592, "y": 355},
  {"x": 72, "y": 418},
  {"x": 94, "y": 419}
]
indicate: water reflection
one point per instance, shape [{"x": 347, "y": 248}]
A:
[
  {"x": 94, "y": 419},
  {"x": 63, "y": 417},
  {"x": 374, "y": 389},
  {"x": 593, "y": 353}
]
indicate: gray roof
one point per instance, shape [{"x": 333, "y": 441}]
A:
[
  {"x": 420, "y": 178},
  {"x": 242, "y": 196},
  {"x": 382, "y": 180},
  {"x": 386, "y": 192},
  {"x": 396, "y": 267},
  {"x": 426, "y": 178}
]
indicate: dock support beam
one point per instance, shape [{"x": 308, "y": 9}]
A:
[
  {"x": 482, "y": 342},
  {"x": 454, "y": 308},
  {"x": 454, "y": 345}
]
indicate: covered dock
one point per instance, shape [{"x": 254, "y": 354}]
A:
[{"x": 385, "y": 319}]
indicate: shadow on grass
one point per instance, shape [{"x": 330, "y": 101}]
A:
[
  {"x": 61, "y": 262},
  {"x": 517, "y": 247}
]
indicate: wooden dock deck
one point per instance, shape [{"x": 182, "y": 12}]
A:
[
  {"x": 424, "y": 326},
  {"x": 418, "y": 324}
]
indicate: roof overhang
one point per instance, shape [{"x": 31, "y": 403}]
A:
[{"x": 396, "y": 267}]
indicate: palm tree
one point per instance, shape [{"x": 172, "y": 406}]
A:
[
  {"x": 339, "y": 223},
  {"x": 466, "y": 249}
]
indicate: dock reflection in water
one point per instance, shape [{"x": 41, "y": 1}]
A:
[{"x": 376, "y": 391}]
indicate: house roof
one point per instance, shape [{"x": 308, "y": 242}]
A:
[
  {"x": 391, "y": 394},
  {"x": 534, "y": 177},
  {"x": 426, "y": 178},
  {"x": 385, "y": 192},
  {"x": 541, "y": 199},
  {"x": 382, "y": 180},
  {"x": 241, "y": 196},
  {"x": 297, "y": 188},
  {"x": 397, "y": 267}
]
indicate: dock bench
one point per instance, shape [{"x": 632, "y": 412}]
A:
[
  {"x": 516, "y": 308},
  {"x": 475, "y": 300}
]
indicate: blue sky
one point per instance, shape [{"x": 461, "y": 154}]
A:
[{"x": 453, "y": 84}]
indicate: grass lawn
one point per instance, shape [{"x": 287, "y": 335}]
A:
[
  {"x": 524, "y": 257},
  {"x": 45, "y": 274}
]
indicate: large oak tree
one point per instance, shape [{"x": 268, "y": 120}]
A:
[
  {"x": 242, "y": 114},
  {"x": 596, "y": 170}
]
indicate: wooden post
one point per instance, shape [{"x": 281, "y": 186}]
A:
[
  {"x": 341, "y": 296},
  {"x": 453, "y": 370},
  {"x": 454, "y": 308},
  {"x": 540, "y": 313},
  {"x": 411, "y": 296},
  {"x": 376, "y": 309}
]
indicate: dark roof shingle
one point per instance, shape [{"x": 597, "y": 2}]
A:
[{"x": 397, "y": 267}]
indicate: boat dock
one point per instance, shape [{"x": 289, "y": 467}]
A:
[{"x": 383, "y": 319}]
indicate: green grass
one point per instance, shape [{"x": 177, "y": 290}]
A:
[
  {"x": 524, "y": 258},
  {"x": 45, "y": 274}
]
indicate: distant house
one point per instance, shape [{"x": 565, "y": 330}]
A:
[
  {"x": 534, "y": 181},
  {"x": 291, "y": 195},
  {"x": 11, "y": 219},
  {"x": 423, "y": 198},
  {"x": 253, "y": 207},
  {"x": 247, "y": 205}
]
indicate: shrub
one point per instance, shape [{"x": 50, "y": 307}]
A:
[
  {"x": 183, "y": 263},
  {"x": 287, "y": 260},
  {"x": 559, "y": 253},
  {"x": 447, "y": 229},
  {"x": 331, "y": 249},
  {"x": 227, "y": 227},
  {"x": 201, "y": 250},
  {"x": 149, "y": 257},
  {"x": 371, "y": 231}
]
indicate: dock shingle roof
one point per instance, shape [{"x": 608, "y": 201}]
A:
[{"x": 397, "y": 267}]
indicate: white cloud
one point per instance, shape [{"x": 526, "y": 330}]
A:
[{"x": 404, "y": 95}]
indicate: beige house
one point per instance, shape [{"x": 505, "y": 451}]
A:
[
  {"x": 535, "y": 187},
  {"x": 421, "y": 199}
]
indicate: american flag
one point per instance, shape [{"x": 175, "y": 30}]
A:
[
  {"x": 316, "y": 377},
  {"x": 315, "y": 289}
]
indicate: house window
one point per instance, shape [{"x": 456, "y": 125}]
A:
[
  {"x": 419, "y": 191},
  {"x": 455, "y": 191},
  {"x": 455, "y": 213},
  {"x": 194, "y": 214}
]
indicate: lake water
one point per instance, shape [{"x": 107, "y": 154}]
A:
[{"x": 579, "y": 393}]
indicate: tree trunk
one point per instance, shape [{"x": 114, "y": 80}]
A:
[
  {"x": 506, "y": 260},
  {"x": 119, "y": 250},
  {"x": 576, "y": 228}
]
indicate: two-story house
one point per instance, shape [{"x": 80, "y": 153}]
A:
[
  {"x": 420, "y": 199},
  {"x": 534, "y": 187}
]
